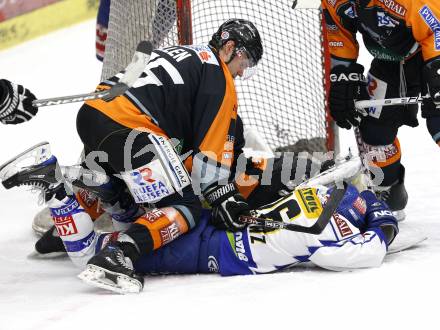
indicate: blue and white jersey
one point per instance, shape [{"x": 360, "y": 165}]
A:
[{"x": 340, "y": 246}]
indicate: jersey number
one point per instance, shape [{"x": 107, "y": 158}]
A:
[{"x": 149, "y": 78}]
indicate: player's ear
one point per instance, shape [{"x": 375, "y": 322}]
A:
[{"x": 229, "y": 46}]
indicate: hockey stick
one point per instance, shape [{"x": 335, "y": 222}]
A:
[
  {"x": 322, "y": 222},
  {"x": 385, "y": 102},
  {"x": 132, "y": 73}
]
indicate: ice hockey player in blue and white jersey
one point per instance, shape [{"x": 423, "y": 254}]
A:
[
  {"x": 357, "y": 236},
  {"x": 354, "y": 231}
]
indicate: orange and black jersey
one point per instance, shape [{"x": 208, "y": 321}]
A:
[
  {"x": 185, "y": 92},
  {"x": 391, "y": 29}
]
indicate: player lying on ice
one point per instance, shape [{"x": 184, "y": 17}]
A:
[{"x": 332, "y": 227}]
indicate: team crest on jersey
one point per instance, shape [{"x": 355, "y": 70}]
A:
[{"x": 309, "y": 202}]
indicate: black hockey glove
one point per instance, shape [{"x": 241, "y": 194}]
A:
[
  {"x": 15, "y": 103},
  {"x": 347, "y": 84},
  {"x": 227, "y": 206},
  {"x": 379, "y": 215},
  {"x": 431, "y": 75}
]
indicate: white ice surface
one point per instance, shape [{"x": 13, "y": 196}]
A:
[{"x": 45, "y": 294}]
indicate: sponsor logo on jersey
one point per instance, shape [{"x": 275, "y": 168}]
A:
[
  {"x": 169, "y": 233},
  {"x": 309, "y": 202},
  {"x": 88, "y": 198},
  {"x": 153, "y": 215},
  {"x": 65, "y": 225},
  {"x": 394, "y": 6},
  {"x": 332, "y": 27},
  {"x": 237, "y": 245},
  {"x": 343, "y": 228},
  {"x": 72, "y": 205},
  {"x": 434, "y": 24},
  {"x": 382, "y": 154},
  {"x": 384, "y": 20},
  {"x": 383, "y": 213},
  {"x": 148, "y": 183},
  {"x": 204, "y": 53},
  {"x": 437, "y": 39},
  {"x": 360, "y": 205},
  {"x": 178, "y": 174},
  {"x": 336, "y": 44},
  {"x": 212, "y": 264}
]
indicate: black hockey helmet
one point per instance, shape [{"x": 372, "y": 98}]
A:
[{"x": 243, "y": 33}]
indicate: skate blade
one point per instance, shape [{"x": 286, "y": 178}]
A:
[
  {"x": 98, "y": 277},
  {"x": 37, "y": 154}
]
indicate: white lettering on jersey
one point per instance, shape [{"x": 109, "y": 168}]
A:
[{"x": 177, "y": 53}]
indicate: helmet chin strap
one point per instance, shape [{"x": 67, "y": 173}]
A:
[{"x": 234, "y": 52}]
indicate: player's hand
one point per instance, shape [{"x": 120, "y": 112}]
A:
[
  {"x": 379, "y": 215},
  {"x": 15, "y": 103},
  {"x": 347, "y": 84},
  {"x": 431, "y": 75},
  {"x": 227, "y": 206}
]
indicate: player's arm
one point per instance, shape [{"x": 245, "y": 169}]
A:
[
  {"x": 366, "y": 249},
  {"x": 340, "y": 31},
  {"x": 215, "y": 114},
  {"x": 346, "y": 79},
  {"x": 424, "y": 18},
  {"x": 15, "y": 103}
]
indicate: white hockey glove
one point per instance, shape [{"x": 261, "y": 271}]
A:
[
  {"x": 15, "y": 103},
  {"x": 227, "y": 206}
]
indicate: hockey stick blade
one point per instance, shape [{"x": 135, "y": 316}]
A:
[
  {"x": 140, "y": 60},
  {"x": 322, "y": 222}
]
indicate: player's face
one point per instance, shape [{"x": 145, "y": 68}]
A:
[{"x": 242, "y": 65}]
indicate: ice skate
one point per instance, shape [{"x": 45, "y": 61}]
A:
[
  {"x": 35, "y": 167},
  {"x": 395, "y": 196},
  {"x": 112, "y": 269}
]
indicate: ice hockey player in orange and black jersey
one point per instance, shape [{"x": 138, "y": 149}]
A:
[
  {"x": 185, "y": 100},
  {"x": 404, "y": 38}
]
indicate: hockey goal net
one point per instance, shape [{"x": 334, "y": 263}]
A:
[{"x": 285, "y": 101}]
